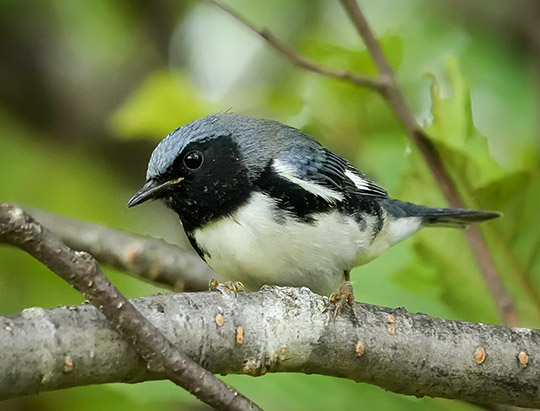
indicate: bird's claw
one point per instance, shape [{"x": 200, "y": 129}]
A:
[
  {"x": 213, "y": 284},
  {"x": 344, "y": 295}
]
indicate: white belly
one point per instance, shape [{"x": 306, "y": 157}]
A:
[{"x": 261, "y": 244}]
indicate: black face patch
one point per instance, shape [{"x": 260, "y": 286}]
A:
[{"x": 217, "y": 188}]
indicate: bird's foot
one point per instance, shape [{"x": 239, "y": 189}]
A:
[
  {"x": 235, "y": 286},
  {"x": 344, "y": 295}
]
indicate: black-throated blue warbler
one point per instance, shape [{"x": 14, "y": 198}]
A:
[{"x": 264, "y": 203}]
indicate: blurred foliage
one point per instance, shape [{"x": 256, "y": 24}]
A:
[
  {"x": 164, "y": 100},
  {"x": 88, "y": 88}
]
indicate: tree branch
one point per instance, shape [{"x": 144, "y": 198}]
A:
[
  {"x": 299, "y": 60},
  {"x": 146, "y": 257},
  {"x": 387, "y": 86},
  {"x": 277, "y": 329},
  {"x": 81, "y": 271}
]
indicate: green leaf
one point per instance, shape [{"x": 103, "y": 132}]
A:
[{"x": 463, "y": 148}]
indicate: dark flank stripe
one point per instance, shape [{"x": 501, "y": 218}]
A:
[{"x": 304, "y": 205}]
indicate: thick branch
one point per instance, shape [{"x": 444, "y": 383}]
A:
[
  {"x": 277, "y": 330},
  {"x": 387, "y": 86},
  {"x": 81, "y": 271},
  {"x": 146, "y": 257}
]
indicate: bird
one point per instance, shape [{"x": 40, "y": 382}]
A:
[{"x": 264, "y": 203}]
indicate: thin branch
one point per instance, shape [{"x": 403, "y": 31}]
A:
[
  {"x": 393, "y": 92},
  {"x": 502, "y": 299},
  {"x": 81, "y": 271},
  {"x": 386, "y": 85},
  {"x": 277, "y": 329},
  {"x": 145, "y": 257},
  {"x": 301, "y": 61}
]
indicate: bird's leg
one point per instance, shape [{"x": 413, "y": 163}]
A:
[
  {"x": 347, "y": 275},
  {"x": 344, "y": 295},
  {"x": 235, "y": 286}
]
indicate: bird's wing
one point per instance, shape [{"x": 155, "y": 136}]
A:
[{"x": 324, "y": 173}]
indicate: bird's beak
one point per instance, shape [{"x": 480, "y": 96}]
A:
[{"x": 151, "y": 190}]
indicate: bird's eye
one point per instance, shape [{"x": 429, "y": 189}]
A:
[{"x": 193, "y": 160}]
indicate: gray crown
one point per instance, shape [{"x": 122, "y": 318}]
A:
[{"x": 258, "y": 140}]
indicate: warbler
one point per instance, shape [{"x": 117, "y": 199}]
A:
[{"x": 265, "y": 203}]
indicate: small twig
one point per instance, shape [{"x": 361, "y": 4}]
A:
[
  {"x": 300, "y": 60},
  {"x": 81, "y": 271},
  {"x": 145, "y": 257},
  {"x": 386, "y": 85},
  {"x": 278, "y": 329}
]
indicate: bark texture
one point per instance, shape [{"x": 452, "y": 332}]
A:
[
  {"x": 277, "y": 329},
  {"x": 82, "y": 272}
]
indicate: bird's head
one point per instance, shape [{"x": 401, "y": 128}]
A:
[{"x": 207, "y": 166}]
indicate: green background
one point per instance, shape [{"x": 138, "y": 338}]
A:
[{"x": 88, "y": 88}]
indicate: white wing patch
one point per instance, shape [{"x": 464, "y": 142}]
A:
[
  {"x": 290, "y": 173},
  {"x": 358, "y": 181},
  {"x": 367, "y": 186}
]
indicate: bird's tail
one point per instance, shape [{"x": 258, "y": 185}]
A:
[{"x": 442, "y": 217}]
